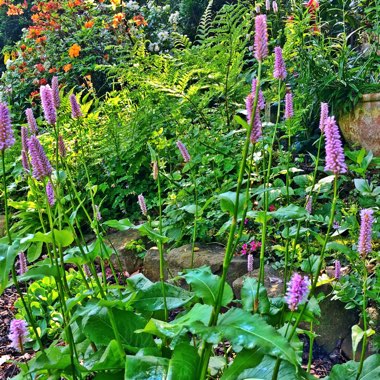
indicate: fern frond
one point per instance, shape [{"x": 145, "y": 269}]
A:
[{"x": 204, "y": 23}]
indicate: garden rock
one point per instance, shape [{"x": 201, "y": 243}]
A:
[
  {"x": 273, "y": 281},
  {"x": 128, "y": 258},
  {"x": 178, "y": 259}
]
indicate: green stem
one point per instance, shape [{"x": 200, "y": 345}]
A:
[
  {"x": 194, "y": 236},
  {"x": 311, "y": 343},
  {"x": 365, "y": 325},
  {"x": 206, "y": 349}
]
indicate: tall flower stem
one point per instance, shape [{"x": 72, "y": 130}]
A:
[
  {"x": 161, "y": 248},
  {"x": 13, "y": 270},
  {"x": 365, "y": 325},
  {"x": 194, "y": 236},
  {"x": 315, "y": 280},
  {"x": 206, "y": 349},
  {"x": 268, "y": 172}
]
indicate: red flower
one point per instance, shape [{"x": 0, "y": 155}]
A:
[{"x": 42, "y": 82}]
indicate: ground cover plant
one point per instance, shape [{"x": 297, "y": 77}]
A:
[{"x": 200, "y": 141}]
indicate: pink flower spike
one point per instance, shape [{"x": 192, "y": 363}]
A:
[
  {"x": 279, "y": 64},
  {"x": 47, "y": 101},
  {"x": 261, "y": 37},
  {"x": 6, "y": 132},
  {"x": 275, "y": 7},
  {"x": 55, "y": 89},
  {"x": 142, "y": 204},
  {"x": 365, "y": 237},
  {"x": 183, "y": 150},
  {"x": 40, "y": 163},
  {"x": 288, "y": 106},
  {"x": 75, "y": 107},
  {"x": 50, "y": 194},
  {"x": 298, "y": 290},
  {"x": 334, "y": 148},
  {"x": 324, "y": 116},
  {"x": 32, "y": 124},
  {"x": 18, "y": 334}
]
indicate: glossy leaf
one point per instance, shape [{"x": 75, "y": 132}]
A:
[
  {"x": 205, "y": 285},
  {"x": 184, "y": 363},
  {"x": 248, "y": 296},
  {"x": 145, "y": 367}
]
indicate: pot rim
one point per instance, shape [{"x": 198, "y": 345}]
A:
[{"x": 372, "y": 97}]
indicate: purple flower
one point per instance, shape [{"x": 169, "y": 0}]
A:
[
  {"x": 155, "y": 170},
  {"x": 18, "y": 334},
  {"x": 86, "y": 270},
  {"x": 288, "y": 105},
  {"x": 244, "y": 249},
  {"x": 309, "y": 204},
  {"x": 257, "y": 8},
  {"x": 61, "y": 147},
  {"x": 25, "y": 160},
  {"x": 40, "y": 163},
  {"x": 334, "y": 148},
  {"x": 50, "y": 193},
  {"x": 24, "y": 139},
  {"x": 267, "y": 5},
  {"x": 298, "y": 290},
  {"x": 261, "y": 100},
  {"x": 324, "y": 116},
  {"x": 250, "y": 263},
  {"x": 32, "y": 124},
  {"x": 183, "y": 150},
  {"x": 261, "y": 37},
  {"x": 55, "y": 89},
  {"x": 22, "y": 267},
  {"x": 256, "y": 131},
  {"x": 275, "y": 7},
  {"x": 141, "y": 201},
  {"x": 365, "y": 239},
  {"x": 337, "y": 273},
  {"x": 75, "y": 107},
  {"x": 47, "y": 100},
  {"x": 279, "y": 64},
  {"x": 6, "y": 133}
]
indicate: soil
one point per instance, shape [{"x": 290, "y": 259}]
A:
[{"x": 9, "y": 357}]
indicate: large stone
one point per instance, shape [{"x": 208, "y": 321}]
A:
[
  {"x": 273, "y": 282},
  {"x": 129, "y": 260},
  {"x": 178, "y": 259}
]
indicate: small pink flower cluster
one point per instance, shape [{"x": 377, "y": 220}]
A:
[{"x": 249, "y": 248}]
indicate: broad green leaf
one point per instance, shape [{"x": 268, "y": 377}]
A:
[
  {"x": 184, "y": 363},
  {"x": 34, "y": 251},
  {"x": 245, "y": 330},
  {"x": 97, "y": 327},
  {"x": 263, "y": 370},
  {"x": 108, "y": 359},
  {"x": 205, "y": 285},
  {"x": 39, "y": 271},
  {"x": 290, "y": 212},
  {"x": 310, "y": 264},
  {"x": 8, "y": 254},
  {"x": 248, "y": 296},
  {"x": 348, "y": 371},
  {"x": 228, "y": 202},
  {"x": 151, "y": 298},
  {"x": 145, "y": 368},
  {"x": 357, "y": 335},
  {"x": 121, "y": 225},
  {"x": 146, "y": 230},
  {"x": 55, "y": 358}
]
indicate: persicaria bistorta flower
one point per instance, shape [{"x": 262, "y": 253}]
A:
[
  {"x": 6, "y": 132},
  {"x": 288, "y": 105},
  {"x": 98, "y": 214},
  {"x": 365, "y": 237},
  {"x": 250, "y": 263},
  {"x": 260, "y": 99},
  {"x": 337, "y": 269},
  {"x": 183, "y": 150},
  {"x": 267, "y": 5},
  {"x": 40, "y": 163},
  {"x": 279, "y": 64},
  {"x": 261, "y": 37},
  {"x": 32, "y": 124},
  {"x": 155, "y": 170},
  {"x": 324, "y": 116},
  {"x": 256, "y": 131},
  {"x": 50, "y": 193},
  {"x": 274, "y": 6},
  {"x": 21, "y": 263},
  {"x": 142, "y": 204},
  {"x": 61, "y": 147},
  {"x": 298, "y": 290},
  {"x": 18, "y": 334},
  {"x": 309, "y": 204},
  {"x": 48, "y": 107},
  {"x": 55, "y": 89},
  {"x": 75, "y": 107},
  {"x": 334, "y": 148}
]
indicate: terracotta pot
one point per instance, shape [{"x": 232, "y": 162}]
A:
[{"x": 362, "y": 125}]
